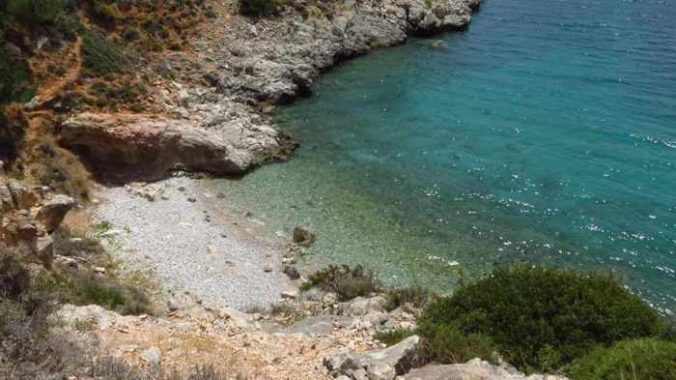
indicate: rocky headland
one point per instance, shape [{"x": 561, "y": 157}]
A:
[{"x": 215, "y": 121}]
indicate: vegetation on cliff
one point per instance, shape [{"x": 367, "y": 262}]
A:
[{"x": 538, "y": 319}]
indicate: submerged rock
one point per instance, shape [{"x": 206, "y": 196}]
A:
[{"x": 303, "y": 237}]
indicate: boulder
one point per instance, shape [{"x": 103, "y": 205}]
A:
[
  {"x": 380, "y": 371},
  {"x": 402, "y": 356},
  {"x": 53, "y": 210}
]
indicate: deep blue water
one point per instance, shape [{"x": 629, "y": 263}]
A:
[{"x": 545, "y": 133}]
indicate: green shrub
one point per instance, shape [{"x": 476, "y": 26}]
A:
[
  {"x": 260, "y": 8},
  {"x": 633, "y": 359},
  {"x": 415, "y": 295},
  {"x": 392, "y": 337},
  {"x": 35, "y": 11},
  {"x": 445, "y": 343},
  {"x": 102, "y": 57},
  {"x": 14, "y": 279},
  {"x": 86, "y": 288},
  {"x": 541, "y": 319},
  {"x": 14, "y": 78},
  {"x": 346, "y": 282}
]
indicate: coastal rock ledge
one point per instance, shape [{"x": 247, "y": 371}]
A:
[{"x": 244, "y": 66}]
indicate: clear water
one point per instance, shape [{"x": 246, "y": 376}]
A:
[{"x": 545, "y": 134}]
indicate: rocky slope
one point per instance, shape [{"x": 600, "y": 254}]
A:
[
  {"x": 28, "y": 218},
  {"x": 243, "y": 65}
]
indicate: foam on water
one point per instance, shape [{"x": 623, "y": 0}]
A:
[{"x": 544, "y": 134}]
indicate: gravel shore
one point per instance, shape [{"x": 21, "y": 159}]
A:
[{"x": 189, "y": 245}]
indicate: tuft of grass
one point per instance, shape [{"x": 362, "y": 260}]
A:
[
  {"x": 632, "y": 359},
  {"x": 416, "y": 295},
  {"x": 346, "y": 282},
  {"x": 539, "y": 318},
  {"x": 392, "y": 337}
]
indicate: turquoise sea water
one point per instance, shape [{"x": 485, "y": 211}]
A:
[{"x": 545, "y": 134}]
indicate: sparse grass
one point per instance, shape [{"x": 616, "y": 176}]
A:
[
  {"x": 345, "y": 281},
  {"x": 56, "y": 167},
  {"x": 86, "y": 287},
  {"x": 392, "y": 337}
]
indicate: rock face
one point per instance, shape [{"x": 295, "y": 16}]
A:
[
  {"x": 139, "y": 146},
  {"x": 28, "y": 218},
  {"x": 244, "y": 64},
  {"x": 474, "y": 369},
  {"x": 278, "y": 59}
]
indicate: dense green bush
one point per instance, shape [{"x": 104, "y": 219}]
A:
[
  {"x": 633, "y": 359},
  {"x": 260, "y": 8},
  {"x": 541, "y": 319},
  {"x": 14, "y": 78},
  {"x": 346, "y": 282},
  {"x": 102, "y": 57},
  {"x": 34, "y": 11}
]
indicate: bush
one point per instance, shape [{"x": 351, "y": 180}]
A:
[
  {"x": 14, "y": 78},
  {"x": 260, "y": 8},
  {"x": 102, "y": 57},
  {"x": 541, "y": 319},
  {"x": 447, "y": 344},
  {"x": 634, "y": 359},
  {"x": 346, "y": 282},
  {"x": 86, "y": 288},
  {"x": 35, "y": 11},
  {"x": 14, "y": 279},
  {"x": 392, "y": 337},
  {"x": 415, "y": 295}
]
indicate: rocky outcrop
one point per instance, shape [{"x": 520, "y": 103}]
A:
[
  {"x": 474, "y": 369},
  {"x": 29, "y": 216},
  {"x": 133, "y": 145},
  {"x": 247, "y": 64},
  {"x": 278, "y": 59},
  {"x": 383, "y": 364}
]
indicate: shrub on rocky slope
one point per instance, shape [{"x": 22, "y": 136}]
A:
[{"x": 538, "y": 318}]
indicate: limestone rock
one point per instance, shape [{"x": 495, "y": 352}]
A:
[
  {"x": 380, "y": 371},
  {"x": 402, "y": 356},
  {"x": 152, "y": 356},
  {"x": 52, "y": 211},
  {"x": 127, "y": 144},
  {"x": 474, "y": 369}
]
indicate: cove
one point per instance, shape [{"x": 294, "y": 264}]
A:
[{"x": 543, "y": 134}]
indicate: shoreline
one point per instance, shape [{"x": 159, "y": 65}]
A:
[
  {"x": 224, "y": 129},
  {"x": 188, "y": 246}
]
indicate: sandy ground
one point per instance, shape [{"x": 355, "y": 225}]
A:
[{"x": 187, "y": 244}]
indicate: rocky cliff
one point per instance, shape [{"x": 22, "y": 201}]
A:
[{"x": 242, "y": 66}]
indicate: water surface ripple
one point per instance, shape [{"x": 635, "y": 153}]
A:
[{"x": 546, "y": 133}]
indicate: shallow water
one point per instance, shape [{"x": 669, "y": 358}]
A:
[{"x": 546, "y": 133}]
